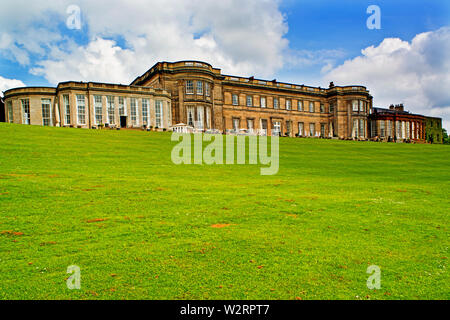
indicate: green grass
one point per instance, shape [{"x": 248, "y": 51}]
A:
[{"x": 311, "y": 231}]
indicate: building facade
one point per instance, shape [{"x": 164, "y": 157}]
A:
[{"x": 195, "y": 94}]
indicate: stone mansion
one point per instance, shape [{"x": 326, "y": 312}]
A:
[{"x": 198, "y": 95}]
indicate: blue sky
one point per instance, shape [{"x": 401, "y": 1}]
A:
[{"x": 306, "y": 42}]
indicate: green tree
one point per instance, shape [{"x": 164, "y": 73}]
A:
[{"x": 445, "y": 136}]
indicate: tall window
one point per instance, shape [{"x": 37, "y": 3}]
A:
[
  {"x": 98, "y": 110},
  {"x": 158, "y": 114},
  {"x": 111, "y": 109},
  {"x": 276, "y": 128},
  {"x": 81, "y": 109},
  {"x": 276, "y": 103},
  {"x": 322, "y": 130},
  {"x": 331, "y": 108},
  {"x": 249, "y": 101},
  {"x": 263, "y": 102},
  {"x": 208, "y": 118},
  {"x": 300, "y": 105},
  {"x": 46, "y": 113},
  {"x": 133, "y": 111},
  {"x": 236, "y": 125},
  {"x": 235, "y": 100},
  {"x": 355, "y": 128},
  {"x": 361, "y": 106},
  {"x": 322, "y": 108},
  {"x": 200, "y": 117},
  {"x": 10, "y": 112},
  {"x": 190, "y": 116},
  {"x": 288, "y": 104},
  {"x": 301, "y": 129},
  {"x": 190, "y": 87},
  {"x": 145, "y": 107},
  {"x": 199, "y": 87},
  {"x": 311, "y": 106},
  {"x": 122, "y": 111},
  {"x": 355, "y": 105},
  {"x": 66, "y": 104},
  {"x": 312, "y": 129},
  {"x": 250, "y": 125},
  {"x": 26, "y": 111},
  {"x": 362, "y": 127},
  {"x": 382, "y": 133},
  {"x": 207, "y": 89}
]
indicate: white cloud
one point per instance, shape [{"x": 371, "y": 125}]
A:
[
  {"x": 416, "y": 73},
  {"x": 247, "y": 41},
  {"x": 6, "y": 84}
]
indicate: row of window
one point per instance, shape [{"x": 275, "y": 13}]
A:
[
  {"x": 307, "y": 106},
  {"x": 198, "y": 117},
  {"x": 403, "y": 129},
  {"x": 276, "y": 127},
  {"x": 200, "y": 88}
]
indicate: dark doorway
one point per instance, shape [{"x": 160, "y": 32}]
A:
[{"x": 123, "y": 121}]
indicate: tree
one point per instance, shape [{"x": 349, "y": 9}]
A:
[{"x": 445, "y": 137}]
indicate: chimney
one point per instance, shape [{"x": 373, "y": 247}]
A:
[
  {"x": 391, "y": 107},
  {"x": 399, "y": 107}
]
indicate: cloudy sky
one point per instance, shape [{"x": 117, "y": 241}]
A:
[{"x": 302, "y": 41}]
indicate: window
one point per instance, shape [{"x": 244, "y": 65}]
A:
[
  {"x": 355, "y": 128},
  {"x": 249, "y": 101},
  {"x": 208, "y": 118},
  {"x": 81, "y": 109},
  {"x": 200, "y": 87},
  {"x": 235, "y": 100},
  {"x": 300, "y": 105},
  {"x": 322, "y": 130},
  {"x": 382, "y": 129},
  {"x": 46, "y": 113},
  {"x": 190, "y": 87},
  {"x": 122, "y": 111},
  {"x": 98, "y": 110},
  {"x": 111, "y": 110},
  {"x": 355, "y": 105},
  {"x": 236, "y": 125},
  {"x": 362, "y": 126},
  {"x": 207, "y": 89},
  {"x": 361, "y": 106},
  {"x": 190, "y": 116},
  {"x": 276, "y": 104},
  {"x": 288, "y": 128},
  {"x": 322, "y": 108},
  {"x": 200, "y": 117},
  {"x": 276, "y": 128},
  {"x": 250, "y": 125},
  {"x": 133, "y": 111},
  {"x": 288, "y": 104},
  {"x": 145, "y": 106},
  {"x": 312, "y": 129},
  {"x": 26, "y": 111},
  {"x": 158, "y": 114},
  {"x": 10, "y": 112},
  {"x": 263, "y": 102},
  {"x": 311, "y": 106},
  {"x": 301, "y": 129},
  {"x": 66, "y": 105},
  {"x": 331, "y": 108}
]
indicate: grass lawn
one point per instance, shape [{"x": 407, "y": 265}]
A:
[{"x": 140, "y": 227}]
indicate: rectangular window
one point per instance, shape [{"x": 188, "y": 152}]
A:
[
  {"x": 362, "y": 127},
  {"x": 236, "y": 125},
  {"x": 250, "y": 125},
  {"x": 355, "y": 105},
  {"x": 208, "y": 118},
  {"x": 276, "y": 104},
  {"x": 190, "y": 116},
  {"x": 361, "y": 106},
  {"x": 122, "y": 111},
  {"x": 263, "y": 102},
  {"x": 355, "y": 128},
  {"x": 46, "y": 112},
  {"x": 26, "y": 111},
  {"x": 189, "y": 87},
  {"x": 288, "y": 128},
  {"x": 331, "y": 108},
  {"x": 312, "y": 129},
  {"x": 300, "y": 105},
  {"x": 311, "y": 106},
  {"x": 200, "y": 117},
  {"x": 322, "y": 130},
  {"x": 382, "y": 129},
  {"x": 145, "y": 107},
  {"x": 301, "y": 129},
  {"x": 158, "y": 114},
  {"x": 10, "y": 112},
  {"x": 98, "y": 110},
  {"x": 276, "y": 128},
  {"x": 111, "y": 110},
  {"x": 235, "y": 100},
  {"x": 81, "y": 109},
  {"x": 249, "y": 101},
  {"x": 322, "y": 108},
  {"x": 207, "y": 89},
  {"x": 288, "y": 104},
  {"x": 200, "y": 87},
  {"x": 133, "y": 111},
  {"x": 66, "y": 105}
]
